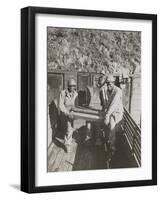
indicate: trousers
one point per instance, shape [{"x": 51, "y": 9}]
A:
[
  {"x": 111, "y": 129},
  {"x": 67, "y": 127}
]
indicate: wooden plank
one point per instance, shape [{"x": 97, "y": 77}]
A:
[
  {"x": 68, "y": 159},
  {"x": 50, "y": 148},
  {"x": 61, "y": 169},
  {"x": 65, "y": 163},
  {"x": 57, "y": 162},
  {"x": 72, "y": 157},
  {"x": 52, "y": 157}
]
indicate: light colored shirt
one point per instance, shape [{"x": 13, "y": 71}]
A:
[
  {"x": 115, "y": 104},
  {"x": 67, "y": 101}
]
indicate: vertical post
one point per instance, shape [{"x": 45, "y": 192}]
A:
[
  {"x": 124, "y": 121},
  {"x": 130, "y": 97}
]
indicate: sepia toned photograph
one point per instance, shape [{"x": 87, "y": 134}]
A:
[
  {"x": 94, "y": 99},
  {"x": 88, "y": 99}
]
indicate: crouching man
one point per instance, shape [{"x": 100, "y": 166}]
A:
[
  {"x": 66, "y": 103},
  {"x": 113, "y": 111}
]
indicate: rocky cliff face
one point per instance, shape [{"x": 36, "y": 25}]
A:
[{"x": 93, "y": 50}]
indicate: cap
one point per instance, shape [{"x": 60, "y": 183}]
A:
[
  {"x": 110, "y": 78},
  {"x": 71, "y": 82}
]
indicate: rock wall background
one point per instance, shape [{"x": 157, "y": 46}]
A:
[{"x": 93, "y": 50}]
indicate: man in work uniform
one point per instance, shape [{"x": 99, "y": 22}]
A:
[
  {"x": 113, "y": 111},
  {"x": 103, "y": 90},
  {"x": 66, "y": 103},
  {"x": 103, "y": 101}
]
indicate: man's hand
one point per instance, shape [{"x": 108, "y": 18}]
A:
[
  {"x": 70, "y": 115},
  {"x": 107, "y": 119}
]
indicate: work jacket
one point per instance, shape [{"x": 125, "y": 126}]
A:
[
  {"x": 67, "y": 101},
  {"x": 114, "y": 104}
]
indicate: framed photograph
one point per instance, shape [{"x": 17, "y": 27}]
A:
[{"x": 88, "y": 99}]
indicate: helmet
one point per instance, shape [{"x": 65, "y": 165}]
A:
[
  {"x": 110, "y": 78},
  {"x": 71, "y": 82}
]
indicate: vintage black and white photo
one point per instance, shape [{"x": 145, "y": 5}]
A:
[
  {"x": 88, "y": 99},
  {"x": 94, "y": 99}
]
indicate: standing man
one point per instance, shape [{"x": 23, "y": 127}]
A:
[
  {"x": 103, "y": 90},
  {"x": 114, "y": 111},
  {"x": 66, "y": 104},
  {"x": 103, "y": 101}
]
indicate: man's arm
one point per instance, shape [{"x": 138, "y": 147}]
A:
[
  {"x": 114, "y": 102},
  {"x": 61, "y": 104},
  {"x": 76, "y": 101}
]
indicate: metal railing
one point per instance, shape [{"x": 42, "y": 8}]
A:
[{"x": 133, "y": 135}]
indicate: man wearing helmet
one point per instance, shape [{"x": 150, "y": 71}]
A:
[
  {"x": 113, "y": 111},
  {"x": 102, "y": 89},
  {"x": 66, "y": 103},
  {"x": 101, "y": 84}
]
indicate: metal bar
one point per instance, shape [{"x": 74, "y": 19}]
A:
[
  {"x": 131, "y": 119},
  {"x": 129, "y": 131},
  {"x": 138, "y": 137},
  {"x": 137, "y": 149},
  {"x": 138, "y": 156},
  {"x": 138, "y": 146},
  {"x": 133, "y": 124},
  {"x": 138, "y": 163},
  {"x": 133, "y": 136},
  {"x": 128, "y": 141},
  {"x": 130, "y": 137},
  {"x": 130, "y": 97},
  {"x": 133, "y": 132}
]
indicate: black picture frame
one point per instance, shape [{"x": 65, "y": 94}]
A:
[{"x": 28, "y": 91}]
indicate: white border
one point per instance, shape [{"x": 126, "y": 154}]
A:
[{"x": 94, "y": 176}]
